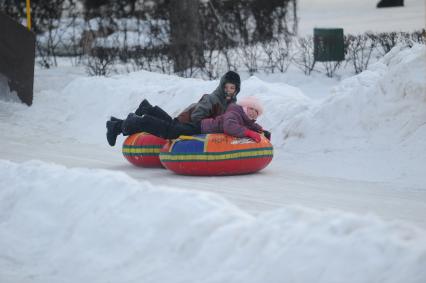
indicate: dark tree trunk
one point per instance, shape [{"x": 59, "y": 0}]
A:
[
  {"x": 262, "y": 12},
  {"x": 295, "y": 19},
  {"x": 186, "y": 45}
]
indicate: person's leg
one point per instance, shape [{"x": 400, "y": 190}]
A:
[
  {"x": 135, "y": 124},
  {"x": 114, "y": 119},
  {"x": 158, "y": 112},
  {"x": 147, "y": 123},
  {"x": 155, "y": 126},
  {"x": 143, "y": 108},
  {"x": 177, "y": 129}
]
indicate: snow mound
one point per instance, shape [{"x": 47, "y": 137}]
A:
[
  {"x": 384, "y": 106},
  {"x": 79, "y": 110},
  {"x": 5, "y": 93},
  {"x": 82, "y": 225}
]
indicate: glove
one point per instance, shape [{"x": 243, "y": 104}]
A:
[
  {"x": 253, "y": 135},
  {"x": 267, "y": 134}
]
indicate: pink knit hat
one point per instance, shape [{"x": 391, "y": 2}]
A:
[{"x": 251, "y": 101}]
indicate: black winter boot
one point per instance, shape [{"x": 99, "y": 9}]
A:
[
  {"x": 113, "y": 130},
  {"x": 143, "y": 108},
  {"x": 150, "y": 124}
]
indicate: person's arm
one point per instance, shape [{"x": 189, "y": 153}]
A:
[
  {"x": 202, "y": 109},
  {"x": 253, "y": 135},
  {"x": 232, "y": 126},
  {"x": 256, "y": 127}
]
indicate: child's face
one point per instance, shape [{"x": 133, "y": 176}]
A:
[
  {"x": 230, "y": 90},
  {"x": 252, "y": 113}
]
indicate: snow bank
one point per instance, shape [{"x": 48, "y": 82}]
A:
[
  {"x": 81, "y": 225},
  {"x": 384, "y": 106},
  {"x": 372, "y": 126},
  {"x": 79, "y": 110}
]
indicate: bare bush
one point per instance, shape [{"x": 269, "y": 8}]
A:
[
  {"x": 164, "y": 63},
  {"x": 277, "y": 53},
  {"x": 250, "y": 55},
  {"x": 385, "y": 41},
  {"x": 359, "y": 49},
  {"x": 304, "y": 57},
  {"x": 211, "y": 59},
  {"x": 281, "y": 54},
  {"x": 331, "y": 67},
  {"x": 100, "y": 62},
  {"x": 231, "y": 57},
  {"x": 46, "y": 23},
  {"x": 268, "y": 50},
  {"x": 137, "y": 59},
  {"x": 419, "y": 36}
]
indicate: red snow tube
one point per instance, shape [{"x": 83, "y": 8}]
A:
[
  {"x": 143, "y": 149},
  {"x": 216, "y": 154}
]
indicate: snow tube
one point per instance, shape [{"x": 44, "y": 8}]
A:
[
  {"x": 142, "y": 149},
  {"x": 216, "y": 154}
]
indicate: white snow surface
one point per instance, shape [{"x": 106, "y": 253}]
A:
[
  {"x": 91, "y": 225},
  {"x": 5, "y": 93},
  {"x": 343, "y": 200}
]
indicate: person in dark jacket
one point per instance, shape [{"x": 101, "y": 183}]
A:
[
  {"x": 214, "y": 104},
  {"x": 154, "y": 120}
]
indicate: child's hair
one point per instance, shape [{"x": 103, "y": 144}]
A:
[{"x": 253, "y": 102}]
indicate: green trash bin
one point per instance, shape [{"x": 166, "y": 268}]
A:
[{"x": 329, "y": 44}]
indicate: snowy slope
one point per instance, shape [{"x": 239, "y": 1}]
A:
[
  {"x": 379, "y": 116},
  {"x": 384, "y": 106}
]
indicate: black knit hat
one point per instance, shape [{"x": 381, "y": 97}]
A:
[{"x": 233, "y": 78}]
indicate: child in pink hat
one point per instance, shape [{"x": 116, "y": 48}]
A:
[
  {"x": 239, "y": 120},
  {"x": 251, "y": 106}
]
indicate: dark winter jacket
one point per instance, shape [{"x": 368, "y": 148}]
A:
[
  {"x": 210, "y": 105},
  {"x": 234, "y": 122}
]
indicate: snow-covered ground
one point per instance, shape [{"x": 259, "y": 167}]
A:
[
  {"x": 344, "y": 199},
  {"x": 83, "y": 225}
]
